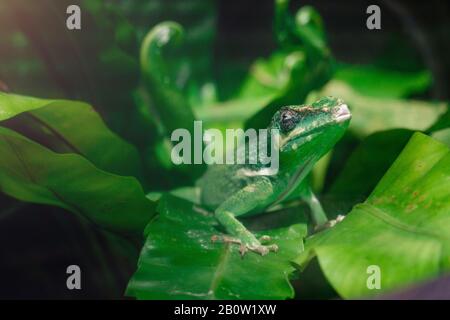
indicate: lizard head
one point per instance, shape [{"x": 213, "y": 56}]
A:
[{"x": 319, "y": 125}]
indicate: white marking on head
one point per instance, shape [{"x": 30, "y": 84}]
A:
[{"x": 291, "y": 134}]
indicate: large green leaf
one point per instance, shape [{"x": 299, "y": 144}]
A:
[
  {"x": 33, "y": 173},
  {"x": 365, "y": 167},
  {"x": 179, "y": 261},
  {"x": 70, "y": 127},
  {"x": 442, "y": 123},
  {"x": 403, "y": 227},
  {"x": 374, "y": 81},
  {"x": 442, "y": 136},
  {"x": 372, "y": 114}
]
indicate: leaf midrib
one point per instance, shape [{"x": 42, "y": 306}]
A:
[
  {"x": 387, "y": 218},
  {"x": 55, "y": 132},
  {"x": 32, "y": 179},
  {"x": 217, "y": 276}
]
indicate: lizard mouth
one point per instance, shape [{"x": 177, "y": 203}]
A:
[{"x": 342, "y": 113}]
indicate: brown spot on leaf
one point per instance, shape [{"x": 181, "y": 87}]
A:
[
  {"x": 378, "y": 200},
  {"x": 410, "y": 207}
]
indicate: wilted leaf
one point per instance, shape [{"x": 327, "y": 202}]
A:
[
  {"x": 179, "y": 261},
  {"x": 31, "y": 172},
  {"x": 268, "y": 80},
  {"x": 403, "y": 227}
]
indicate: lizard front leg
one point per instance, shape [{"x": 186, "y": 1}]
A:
[
  {"x": 244, "y": 201},
  {"x": 318, "y": 216}
]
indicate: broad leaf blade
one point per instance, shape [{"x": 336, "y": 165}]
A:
[
  {"x": 442, "y": 123},
  {"x": 403, "y": 227},
  {"x": 179, "y": 261},
  {"x": 371, "y": 114},
  {"x": 373, "y": 81},
  {"x": 70, "y": 126},
  {"x": 32, "y": 173},
  {"x": 366, "y": 166}
]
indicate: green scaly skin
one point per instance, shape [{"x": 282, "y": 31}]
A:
[{"x": 306, "y": 134}]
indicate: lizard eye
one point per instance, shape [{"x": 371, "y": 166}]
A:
[{"x": 288, "y": 120}]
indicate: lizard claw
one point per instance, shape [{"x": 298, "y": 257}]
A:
[
  {"x": 244, "y": 248},
  {"x": 263, "y": 250}
]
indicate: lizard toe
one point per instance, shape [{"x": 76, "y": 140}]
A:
[{"x": 265, "y": 239}]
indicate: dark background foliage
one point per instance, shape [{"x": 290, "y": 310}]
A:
[{"x": 415, "y": 30}]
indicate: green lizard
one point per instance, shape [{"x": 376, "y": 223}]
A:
[{"x": 232, "y": 191}]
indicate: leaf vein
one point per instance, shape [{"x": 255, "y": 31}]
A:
[{"x": 385, "y": 217}]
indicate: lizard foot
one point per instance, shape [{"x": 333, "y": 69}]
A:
[
  {"x": 246, "y": 247},
  {"x": 260, "y": 249}
]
